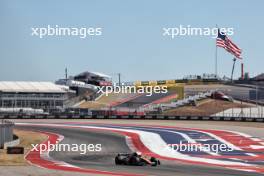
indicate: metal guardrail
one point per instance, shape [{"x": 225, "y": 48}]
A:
[
  {"x": 6, "y": 132},
  {"x": 136, "y": 117}
]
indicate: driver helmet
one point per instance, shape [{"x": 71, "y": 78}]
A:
[
  {"x": 134, "y": 154},
  {"x": 139, "y": 154}
]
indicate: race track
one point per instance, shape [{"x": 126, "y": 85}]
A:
[{"x": 114, "y": 139}]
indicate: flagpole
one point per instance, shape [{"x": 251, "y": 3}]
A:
[
  {"x": 216, "y": 59},
  {"x": 233, "y": 69}
]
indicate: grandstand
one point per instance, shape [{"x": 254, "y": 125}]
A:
[
  {"x": 85, "y": 86},
  {"x": 143, "y": 99},
  {"x": 94, "y": 78},
  {"x": 112, "y": 99},
  {"x": 137, "y": 100},
  {"x": 37, "y": 95}
]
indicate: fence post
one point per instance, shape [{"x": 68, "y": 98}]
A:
[
  {"x": 1, "y": 139},
  {"x": 261, "y": 111}
]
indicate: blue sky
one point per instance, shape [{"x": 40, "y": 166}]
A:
[{"x": 132, "y": 41}]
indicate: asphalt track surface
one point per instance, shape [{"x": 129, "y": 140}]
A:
[{"x": 113, "y": 144}]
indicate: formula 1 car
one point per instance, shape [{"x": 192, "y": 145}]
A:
[{"x": 135, "y": 159}]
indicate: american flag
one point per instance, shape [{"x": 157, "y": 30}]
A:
[{"x": 223, "y": 41}]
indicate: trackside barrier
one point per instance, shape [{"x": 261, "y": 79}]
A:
[
  {"x": 143, "y": 117},
  {"x": 12, "y": 143},
  {"x": 6, "y": 132}
]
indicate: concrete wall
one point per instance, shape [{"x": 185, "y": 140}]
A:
[
  {"x": 6, "y": 132},
  {"x": 12, "y": 143},
  {"x": 253, "y": 112}
]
